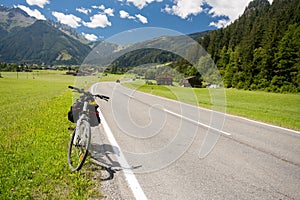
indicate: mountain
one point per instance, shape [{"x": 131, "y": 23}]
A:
[
  {"x": 261, "y": 49},
  {"x": 154, "y": 55},
  {"x": 157, "y": 50},
  {"x": 69, "y": 31},
  {"x": 42, "y": 43},
  {"x": 12, "y": 20},
  {"x": 26, "y": 39}
]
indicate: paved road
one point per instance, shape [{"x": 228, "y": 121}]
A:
[{"x": 162, "y": 140}]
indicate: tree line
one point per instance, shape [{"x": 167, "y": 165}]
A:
[{"x": 260, "y": 50}]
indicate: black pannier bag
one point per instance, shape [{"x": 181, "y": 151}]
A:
[
  {"x": 94, "y": 115},
  {"x": 76, "y": 108},
  {"x": 74, "y": 112}
]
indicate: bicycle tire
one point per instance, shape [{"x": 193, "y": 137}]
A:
[{"x": 78, "y": 152}]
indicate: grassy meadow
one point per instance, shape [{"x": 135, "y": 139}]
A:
[
  {"x": 35, "y": 136},
  {"x": 274, "y": 108},
  {"x": 34, "y": 139}
]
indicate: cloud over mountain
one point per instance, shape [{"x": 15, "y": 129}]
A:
[
  {"x": 68, "y": 19},
  {"x": 90, "y": 37},
  {"x": 39, "y": 3},
  {"x": 98, "y": 20},
  {"x": 33, "y": 13},
  {"x": 230, "y": 9},
  {"x": 184, "y": 8}
]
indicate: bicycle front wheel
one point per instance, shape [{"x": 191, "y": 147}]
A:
[{"x": 79, "y": 147}]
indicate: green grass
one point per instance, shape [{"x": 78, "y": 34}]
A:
[
  {"x": 278, "y": 109},
  {"x": 34, "y": 140},
  {"x": 34, "y": 130},
  {"x": 113, "y": 77}
]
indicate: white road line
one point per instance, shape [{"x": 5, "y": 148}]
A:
[
  {"x": 233, "y": 116},
  {"x": 196, "y": 122},
  {"x": 186, "y": 118},
  {"x": 229, "y": 115},
  {"x": 129, "y": 175},
  {"x": 130, "y": 96},
  {"x": 265, "y": 124}
]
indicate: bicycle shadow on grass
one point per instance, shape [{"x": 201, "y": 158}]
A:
[{"x": 104, "y": 155}]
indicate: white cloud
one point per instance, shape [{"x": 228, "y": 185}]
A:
[
  {"x": 33, "y": 13},
  {"x": 90, "y": 37},
  {"x": 229, "y": 8},
  {"x": 221, "y": 23},
  {"x": 142, "y": 3},
  {"x": 98, "y": 20},
  {"x": 102, "y": 7},
  {"x": 70, "y": 19},
  {"x": 184, "y": 8},
  {"x": 124, "y": 14},
  {"x": 109, "y": 12},
  {"x": 84, "y": 10},
  {"x": 143, "y": 19},
  {"x": 39, "y": 3}
]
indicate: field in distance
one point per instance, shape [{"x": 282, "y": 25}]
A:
[{"x": 274, "y": 108}]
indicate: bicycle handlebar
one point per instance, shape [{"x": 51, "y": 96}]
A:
[
  {"x": 102, "y": 97},
  {"x": 77, "y": 89},
  {"x": 88, "y": 93}
]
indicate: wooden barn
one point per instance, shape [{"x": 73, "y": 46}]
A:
[
  {"x": 192, "y": 81},
  {"x": 164, "y": 79}
]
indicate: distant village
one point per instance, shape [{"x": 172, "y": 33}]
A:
[{"x": 162, "y": 78}]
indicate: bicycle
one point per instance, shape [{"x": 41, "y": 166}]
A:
[{"x": 85, "y": 114}]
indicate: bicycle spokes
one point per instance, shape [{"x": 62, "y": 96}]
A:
[{"x": 79, "y": 145}]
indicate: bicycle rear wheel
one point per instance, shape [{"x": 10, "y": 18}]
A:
[{"x": 78, "y": 150}]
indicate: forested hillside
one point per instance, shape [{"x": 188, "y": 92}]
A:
[
  {"x": 41, "y": 43},
  {"x": 150, "y": 55},
  {"x": 260, "y": 50}
]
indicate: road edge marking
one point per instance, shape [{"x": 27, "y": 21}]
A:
[
  {"x": 196, "y": 122},
  {"x": 226, "y": 114},
  {"x": 128, "y": 173}
]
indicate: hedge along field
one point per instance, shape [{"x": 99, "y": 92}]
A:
[{"x": 34, "y": 139}]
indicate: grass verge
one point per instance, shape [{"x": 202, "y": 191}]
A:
[
  {"x": 278, "y": 109},
  {"x": 34, "y": 140}
]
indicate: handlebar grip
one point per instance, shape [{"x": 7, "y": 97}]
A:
[
  {"x": 75, "y": 88},
  {"x": 103, "y": 97}
]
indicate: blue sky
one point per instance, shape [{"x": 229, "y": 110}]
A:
[{"x": 101, "y": 19}]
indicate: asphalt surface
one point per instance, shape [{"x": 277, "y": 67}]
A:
[{"x": 174, "y": 155}]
